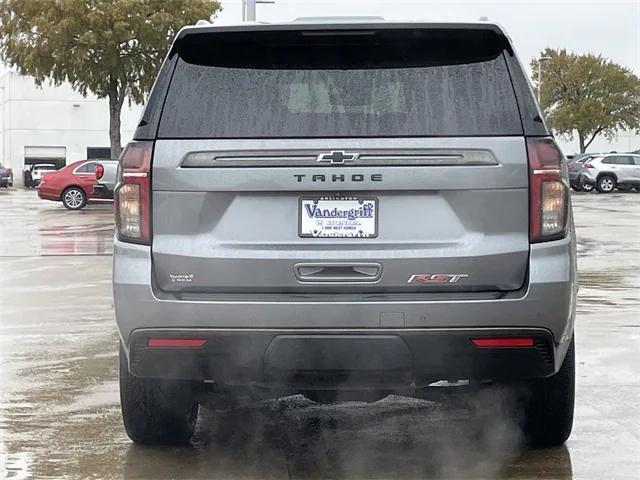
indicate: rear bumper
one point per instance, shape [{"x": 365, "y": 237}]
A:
[
  {"x": 101, "y": 192},
  {"x": 546, "y": 305},
  {"x": 574, "y": 178},
  {"x": 48, "y": 194},
  {"x": 340, "y": 359}
]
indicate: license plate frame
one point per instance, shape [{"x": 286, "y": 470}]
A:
[{"x": 341, "y": 227}]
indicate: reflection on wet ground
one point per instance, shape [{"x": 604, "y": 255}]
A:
[
  {"x": 59, "y": 413},
  {"x": 31, "y": 226}
]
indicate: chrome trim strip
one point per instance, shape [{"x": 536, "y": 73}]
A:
[{"x": 366, "y": 158}]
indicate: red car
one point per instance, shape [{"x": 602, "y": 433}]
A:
[{"x": 71, "y": 185}]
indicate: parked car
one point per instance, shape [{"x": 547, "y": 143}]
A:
[
  {"x": 37, "y": 172},
  {"x": 106, "y": 172},
  {"x": 326, "y": 218},
  {"x": 577, "y": 156},
  {"x": 6, "y": 176},
  {"x": 611, "y": 171},
  {"x": 575, "y": 168},
  {"x": 71, "y": 185}
]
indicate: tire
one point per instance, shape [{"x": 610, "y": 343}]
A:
[
  {"x": 548, "y": 405},
  {"x": 587, "y": 187},
  {"x": 157, "y": 411},
  {"x": 606, "y": 184},
  {"x": 576, "y": 187},
  {"x": 74, "y": 198}
]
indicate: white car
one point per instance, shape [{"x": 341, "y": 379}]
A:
[
  {"x": 38, "y": 170},
  {"x": 611, "y": 171}
]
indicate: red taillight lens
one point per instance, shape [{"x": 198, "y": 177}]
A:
[
  {"x": 588, "y": 165},
  {"x": 99, "y": 171},
  {"x": 548, "y": 190},
  {"x": 503, "y": 342},
  {"x": 133, "y": 193}
]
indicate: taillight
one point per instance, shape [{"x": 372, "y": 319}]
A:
[
  {"x": 133, "y": 193},
  {"x": 548, "y": 190},
  {"x": 99, "y": 171},
  {"x": 588, "y": 165}
]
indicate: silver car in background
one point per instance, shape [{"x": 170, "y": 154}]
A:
[
  {"x": 106, "y": 173},
  {"x": 610, "y": 171},
  {"x": 575, "y": 167},
  {"x": 344, "y": 210}
]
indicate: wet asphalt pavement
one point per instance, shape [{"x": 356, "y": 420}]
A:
[{"x": 60, "y": 417}]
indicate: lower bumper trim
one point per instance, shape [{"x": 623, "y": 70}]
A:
[{"x": 341, "y": 359}]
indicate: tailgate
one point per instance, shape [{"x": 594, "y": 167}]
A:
[{"x": 221, "y": 223}]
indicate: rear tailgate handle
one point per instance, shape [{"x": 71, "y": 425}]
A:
[{"x": 338, "y": 272}]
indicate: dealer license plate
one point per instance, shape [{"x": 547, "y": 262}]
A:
[{"x": 339, "y": 217}]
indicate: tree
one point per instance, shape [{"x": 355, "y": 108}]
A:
[
  {"x": 111, "y": 48},
  {"x": 587, "y": 94}
]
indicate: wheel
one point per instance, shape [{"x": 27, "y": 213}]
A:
[
  {"x": 548, "y": 405},
  {"x": 587, "y": 187},
  {"x": 576, "y": 187},
  {"x": 155, "y": 411},
  {"x": 606, "y": 184},
  {"x": 74, "y": 198}
]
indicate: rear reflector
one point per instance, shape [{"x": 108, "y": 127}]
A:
[
  {"x": 176, "y": 342},
  {"x": 503, "y": 342}
]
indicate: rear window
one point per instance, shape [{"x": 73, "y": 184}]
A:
[
  {"x": 352, "y": 84},
  {"x": 86, "y": 168}
]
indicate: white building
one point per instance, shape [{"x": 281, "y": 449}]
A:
[
  {"x": 51, "y": 124},
  {"x": 623, "y": 142}
]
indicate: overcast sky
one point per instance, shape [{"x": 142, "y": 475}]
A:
[{"x": 610, "y": 28}]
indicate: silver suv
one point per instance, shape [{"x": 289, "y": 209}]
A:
[
  {"x": 342, "y": 210},
  {"x": 608, "y": 172}
]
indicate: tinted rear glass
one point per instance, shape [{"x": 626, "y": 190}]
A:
[{"x": 356, "y": 84}]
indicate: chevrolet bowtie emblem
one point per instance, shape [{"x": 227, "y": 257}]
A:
[{"x": 337, "y": 157}]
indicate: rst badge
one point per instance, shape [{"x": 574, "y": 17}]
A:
[{"x": 431, "y": 278}]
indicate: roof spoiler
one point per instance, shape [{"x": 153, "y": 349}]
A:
[{"x": 333, "y": 20}]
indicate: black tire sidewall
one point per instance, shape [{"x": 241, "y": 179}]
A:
[
  {"x": 549, "y": 406},
  {"x": 156, "y": 411}
]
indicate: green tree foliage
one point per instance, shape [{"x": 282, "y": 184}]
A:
[
  {"x": 587, "y": 95},
  {"x": 111, "y": 48}
]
